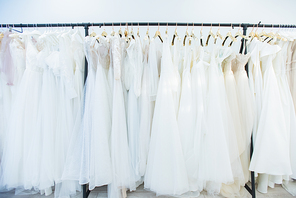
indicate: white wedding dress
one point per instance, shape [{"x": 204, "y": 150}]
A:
[
  {"x": 246, "y": 109},
  {"x": 217, "y": 165},
  {"x": 234, "y": 133},
  {"x": 166, "y": 170},
  {"x": 271, "y": 154},
  {"x": 123, "y": 174}
]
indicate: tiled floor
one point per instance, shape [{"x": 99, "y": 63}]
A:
[{"x": 277, "y": 192}]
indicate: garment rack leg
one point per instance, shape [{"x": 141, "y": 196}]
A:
[
  {"x": 85, "y": 192},
  {"x": 253, "y": 190}
]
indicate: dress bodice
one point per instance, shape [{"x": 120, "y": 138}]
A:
[
  {"x": 103, "y": 53},
  {"x": 278, "y": 62},
  {"x": 267, "y": 54},
  {"x": 90, "y": 48},
  {"x": 17, "y": 50},
  {"x": 226, "y": 64},
  {"x": 31, "y": 55},
  {"x": 78, "y": 53},
  {"x": 239, "y": 62}
]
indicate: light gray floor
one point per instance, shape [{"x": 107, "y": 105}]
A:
[{"x": 277, "y": 192}]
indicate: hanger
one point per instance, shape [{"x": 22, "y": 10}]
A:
[
  {"x": 252, "y": 34},
  {"x": 119, "y": 31},
  {"x": 104, "y": 33},
  {"x": 112, "y": 32},
  {"x": 278, "y": 35},
  {"x": 237, "y": 34},
  {"x": 263, "y": 34},
  {"x": 138, "y": 32},
  {"x": 219, "y": 35},
  {"x": 92, "y": 34},
  {"x": 12, "y": 29},
  {"x": 201, "y": 37},
  {"x": 209, "y": 36},
  {"x": 192, "y": 32},
  {"x": 147, "y": 33},
  {"x": 126, "y": 30},
  {"x": 186, "y": 35},
  {"x": 132, "y": 32},
  {"x": 175, "y": 35},
  {"x": 256, "y": 33},
  {"x": 157, "y": 34},
  {"x": 270, "y": 35},
  {"x": 229, "y": 35}
]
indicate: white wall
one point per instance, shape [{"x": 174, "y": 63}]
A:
[
  {"x": 62, "y": 11},
  {"x": 49, "y": 11}
]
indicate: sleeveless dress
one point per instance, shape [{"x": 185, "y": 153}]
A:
[
  {"x": 271, "y": 150},
  {"x": 134, "y": 75},
  {"x": 6, "y": 85},
  {"x": 199, "y": 91},
  {"x": 7, "y": 92},
  {"x": 78, "y": 154},
  {"x": 186, "y": 119},
  {"x": 49, "y": 111},
  {"x": 255, "y": 82},
  {"x": 93, "y": 164},
  {"x": 234, "y": 134},
  {"x": 146, "y": 105},
  {"x": 123, "y": 174},
  {"x": 288, "y": 107},
  {"x": 100, "y": 164},
  {"x": 166, "y": 170},
  {"x": 246, "y": 108},
  {"x": 217, "y": 166},
  {"x": 17, "y": 171}
]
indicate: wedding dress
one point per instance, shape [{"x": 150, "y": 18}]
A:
[{"x": 166, "y": 170}]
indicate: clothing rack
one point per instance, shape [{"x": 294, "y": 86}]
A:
[{"x": 87, "y": 25}]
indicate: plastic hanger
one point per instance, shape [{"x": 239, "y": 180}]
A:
[
  {"x": 201, "y": 37},
  {"x": 270, "y": 35},
  {"x": 157, "y": 34},
  {"x": 192, "y": 35},
  {"x": 119, "y": 31},
  {"x": 138, "y": 32},
  {"x": 186, "y": 35},
  {"x": 256, "y": 33},
  {"x": 278, "y": 35},
  {"x": 252, "y": 34},
  {"x": 126, "y": 30},
  {"x": 263, "y": 34},
  {"x": 132, "y": 33},
  {"x": 192, "y": 32},
  {"x": 229, "y": 35},
  {"x": 104, "y": 33},
  {"x": 175, "y": 35},
  {"x": 237, "y": 34},
  {"x": 147, "y": 33},
  {"x": 166, "y": 31},
  {"x": 112, "y": 32},
  {"x": 92, "y": 34},
  {"x": 219, "y": 35},
  {"x": 209, "y": 36}
]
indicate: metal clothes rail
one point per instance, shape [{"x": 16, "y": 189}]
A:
[
  {"x": 20, "y": 25},
  {"x": 87, "y": 25}
]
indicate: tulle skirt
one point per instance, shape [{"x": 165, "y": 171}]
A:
[
  {"x": 166, "y": 170},
  {"x": 20, "y": 165}
]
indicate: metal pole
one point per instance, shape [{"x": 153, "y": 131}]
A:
[
  {"x": 253, "y": 190},
  {"x": 84, "y": 191},
  {"x": 86, "y": 65},
  {"x": 148, "y": 23}
]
